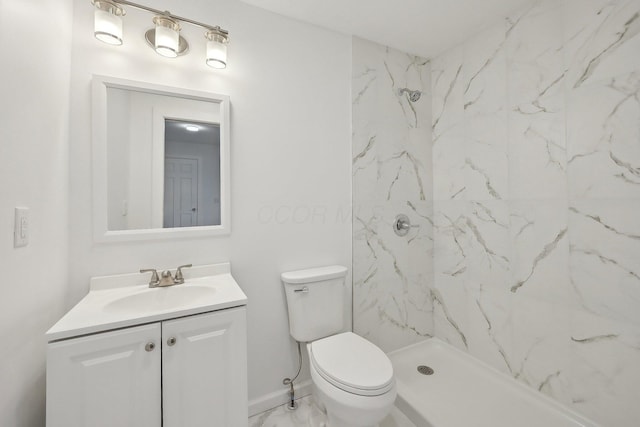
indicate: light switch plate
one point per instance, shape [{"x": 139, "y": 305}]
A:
[{"x": 21, "y": 228}]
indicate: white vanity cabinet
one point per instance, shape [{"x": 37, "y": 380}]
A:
[
  {"x": 107, "y": 379},
  {"x": 204, "y": 370},
  {"x": 184, "y": 372}
]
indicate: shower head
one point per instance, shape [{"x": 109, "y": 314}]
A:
[{"x": 414, "y": 95}]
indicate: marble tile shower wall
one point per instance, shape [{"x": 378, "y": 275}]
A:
[
  {"x": 536, "y": 158},
  {"x": 392, "y": 275}
]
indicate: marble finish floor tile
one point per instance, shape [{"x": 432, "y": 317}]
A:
[{"x": 309, "y": 415}]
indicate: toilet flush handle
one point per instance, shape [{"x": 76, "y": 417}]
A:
[{"x": 304, "y": 290}]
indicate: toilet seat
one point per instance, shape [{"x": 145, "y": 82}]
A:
[{"x": 353, "y": 364}]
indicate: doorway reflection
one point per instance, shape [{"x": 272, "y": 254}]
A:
[{"x": 191, "y": 174}]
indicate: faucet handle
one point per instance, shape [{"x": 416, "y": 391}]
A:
[
  {"x": 179, "y": 277},
  {"x": 155, "y": 280}
]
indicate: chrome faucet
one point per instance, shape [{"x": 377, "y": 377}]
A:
[
  {"x": 179, "y": 278},
  {"x": 165, "y": 278},
  {"x": 155, "y": 280}
]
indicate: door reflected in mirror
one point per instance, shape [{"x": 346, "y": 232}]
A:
[
  {"x": 164, "y": 161},
  {"x": 191, "y": 174},
  {"x": 160, "y": 160}
]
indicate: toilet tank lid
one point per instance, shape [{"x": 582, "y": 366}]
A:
[{"x": 314, "y": 274}]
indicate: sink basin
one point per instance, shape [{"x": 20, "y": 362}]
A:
[
  {"x": 159, "y": 299},
  {"x": 122, "y": 301}
]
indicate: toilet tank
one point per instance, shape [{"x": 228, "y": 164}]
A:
[{"x": 315, "y": 299}]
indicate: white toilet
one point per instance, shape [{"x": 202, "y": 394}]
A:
[{"x": 353, "y": 379}]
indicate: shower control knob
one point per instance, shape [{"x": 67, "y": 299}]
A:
[
  {"x": 150, "y": 346},
  {"x": 171, "y": 341},
  {"x": 401, "y": 225}
]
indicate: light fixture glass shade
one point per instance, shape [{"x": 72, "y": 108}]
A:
[
  {"x": 108, "y": 22},
  {"x": 217, "y": 41},
  {"x": 167, "y": 38}
]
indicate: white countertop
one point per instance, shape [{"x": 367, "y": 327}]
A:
[{"x": 126, "y": 300}]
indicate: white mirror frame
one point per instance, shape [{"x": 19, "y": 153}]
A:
[{"x": 101, "y": 232}]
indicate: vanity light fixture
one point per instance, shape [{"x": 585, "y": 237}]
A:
[
  {"x": 217, "y": 40},
  {"x": 165, "y": 38},
  {"x": 108, "y": 21}
]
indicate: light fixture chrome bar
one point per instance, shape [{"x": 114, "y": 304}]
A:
[{"x": 170, "y": 15}]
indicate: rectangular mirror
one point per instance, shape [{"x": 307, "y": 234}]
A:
[{"x": 160, "y": 161}]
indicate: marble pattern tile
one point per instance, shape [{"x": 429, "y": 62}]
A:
[
  {"x": 469, "y": 120},
  {"x": 537, "y": 150},
  {"x": 451, "y": 240},
  {"x": 448, "y": 128},
  {"x": 309, "y": 414},
  {"x": 449, "y": 294},
  {"x": 540, "y": 356},
  {"x": 488, "y": 257},
  {"x": 391, "y": 294},
  {"x": 605, "y": 265},
  {"x": 536, "y": 125},
  {"x": 535, "y": 64},
  {"x": 536, "y": 162},
  {"x": 601, "y": 39},
  {"x": 446, "y": 92},
  {"x": 391, "y": 135},
  {"x": 490, "y": 327},
  {"x": 471, "y": 247},
  {"x": 603, "y": 148},
  {"x": 604, "y": 374},
  {"x": 484, "y": 116},
  {"x": 306, "y": 415},
  {"x": 391, "y": 175},
  {"x": 526, "y": 200},
  {"x": 540, "y": 250}
]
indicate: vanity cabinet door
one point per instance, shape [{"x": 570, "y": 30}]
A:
[
  {"x": 204, "y": 370},
  {"x": 106, "y": 380}
]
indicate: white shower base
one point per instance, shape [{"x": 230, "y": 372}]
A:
[{"x": 464, "y": 392}]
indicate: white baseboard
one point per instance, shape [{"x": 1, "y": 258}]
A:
[{"x": 277, "y": 398}]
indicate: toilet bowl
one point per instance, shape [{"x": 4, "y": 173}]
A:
[{"x": 352, "y": 378}]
